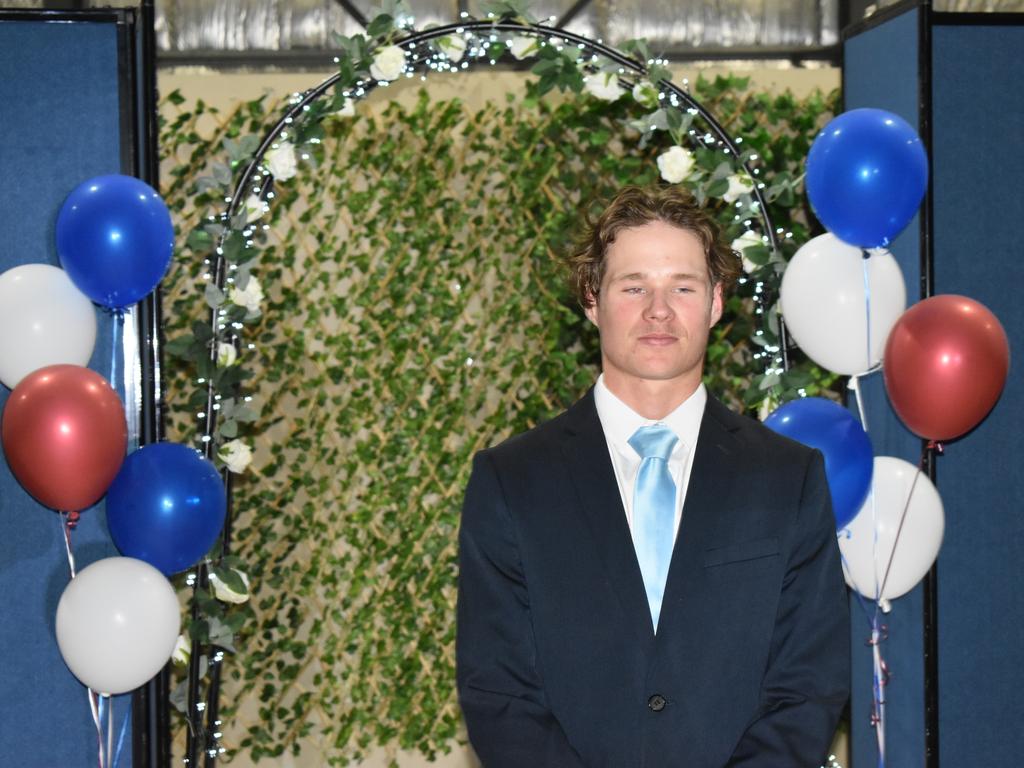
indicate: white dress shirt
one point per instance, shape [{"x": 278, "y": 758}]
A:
[{"x": 619, "y": 422}]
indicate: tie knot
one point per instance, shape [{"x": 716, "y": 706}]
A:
[{"x": 654, "y": 442}]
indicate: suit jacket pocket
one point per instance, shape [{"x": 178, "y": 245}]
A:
[{"x": 741, "y": 552}]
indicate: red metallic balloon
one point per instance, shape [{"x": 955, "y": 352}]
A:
[
  {"x": 946, "y": 361},
  {"x": 65, "y": 435}
]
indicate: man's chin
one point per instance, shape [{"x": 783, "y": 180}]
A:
[{"x": 659, "y": 373}]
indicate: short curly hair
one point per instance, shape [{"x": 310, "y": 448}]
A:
[{"x": 633, "y": 207}]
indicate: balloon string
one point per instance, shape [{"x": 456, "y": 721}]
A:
[
  {"x": 854, "y": 386},
  {"x": 877, "y": 662},
  {"x": 903, "y": 517},
  {"x": 879, "y": 669},
  {"x": 95, "y": 704},
  {"x": 120, "y": 739},
  {"x": 880, "y": 674},
  {"x": 68, "y": 520},
  {"x": 110, "y": 730},
  {"x": 867, "y": 309},
  {"x": 118, "y": 323}
]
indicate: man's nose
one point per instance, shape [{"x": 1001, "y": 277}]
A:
[{"x": 658, "y": 306}]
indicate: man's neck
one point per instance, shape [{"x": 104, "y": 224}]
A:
[{"x": 652, "y": 399}]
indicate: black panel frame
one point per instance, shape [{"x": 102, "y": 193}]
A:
[{"x": 139, "y": 157}]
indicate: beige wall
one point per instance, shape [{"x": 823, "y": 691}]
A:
[{"x": 222, "y": 89}]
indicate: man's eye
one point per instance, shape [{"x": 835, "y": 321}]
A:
[{"x": 634, "y": 289}]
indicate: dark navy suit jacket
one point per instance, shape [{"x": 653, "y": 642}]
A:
[{"x": 558, "y": 663}]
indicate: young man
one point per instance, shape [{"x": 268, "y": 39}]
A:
[{"x": 649, "y": 579}]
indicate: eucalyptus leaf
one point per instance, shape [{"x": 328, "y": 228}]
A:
[
  {"x": 230, "y": 578},
  {"x": 178, "y": 696},
  {"x": 233, "y": 246},
  {"x": 199, "y": 240},
  {"x": 207, "y": 184},
  {"x": 717, "y": 188},
  {"x": 180, "y": 346},
  {"x": 380, "y": 26},
  {"x": 656, "y": 73},
  {"x": 201, "y": 331},
  {"x": 222, "y": 174},
  {"x": 757, "y": 254},
  {"x": 639, "y": 48},
  {"x": 722, "y": 171},
  {"x": 545, "y": 66},
  {"x": 246, "y": 414},
  {"x": 214, "y": 296}
]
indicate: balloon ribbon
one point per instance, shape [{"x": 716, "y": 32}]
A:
[
  {"x": 112, "y": 757},
  {"x": 68, "y": 522},
  {"x": 118, "y": 315}
]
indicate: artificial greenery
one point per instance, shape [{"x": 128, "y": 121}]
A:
[{"x": 416, "y": 311}]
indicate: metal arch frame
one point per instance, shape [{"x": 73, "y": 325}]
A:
[
  {"x": 412, "y": 41},
  {"x": 247, "y": 183}
]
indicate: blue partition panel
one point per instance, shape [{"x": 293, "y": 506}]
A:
[
  {"x": 880, "y": 69},
  {"x": 978, "y": 108},
  {"x": 61, "y": 125}
]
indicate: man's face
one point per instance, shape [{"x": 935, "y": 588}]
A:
[{"x": 655, "y": 307}]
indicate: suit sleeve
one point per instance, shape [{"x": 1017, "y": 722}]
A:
[
  {"x": 500, "y": 690},
  {"x": 807, "y": 682}
]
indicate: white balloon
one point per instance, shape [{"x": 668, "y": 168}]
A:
[
  {"x": 865, "y": 559},
  {"x": 44, "y": 320},
  {"x": 825, "y": 307},
  {"x": 117, "y": 623}
]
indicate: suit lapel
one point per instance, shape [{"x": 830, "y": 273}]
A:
[
  {"x": 711, "y": 478},
  {"x": 590, "y": 467}
]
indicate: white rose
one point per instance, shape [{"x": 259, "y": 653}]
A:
[
  {"x": 738, "y": 185},
  {"x": 348, "y": 109},
  {"x": 250, "y": 298},
  {"x": 236, "y": 455},
  {"x": 182, "y": 649},
  {"x": 388, "y": 63},
  {"x": 603, "y": 85},
  {"x": 226, "y": 355},
  {"x": 452, "y": 46},
  {"x": 224, "y": 593},
  {"x": 281, "y": 161},
  {"x": 675, "y": 164},
  {"x": 520, "y": 47},
  {"x": 646, "y": 94},
  {"x": 254, "y": 208},
  {"x": 745, "y": 240}
]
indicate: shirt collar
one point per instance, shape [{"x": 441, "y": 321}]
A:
[{"x": 619, "y": 421}]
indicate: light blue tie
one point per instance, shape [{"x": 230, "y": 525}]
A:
[{"x": 654, "y": 510}]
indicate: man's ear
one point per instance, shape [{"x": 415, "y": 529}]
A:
[
  {"x": 716, "y": 304},
  {"x": 591, "y": 309}
]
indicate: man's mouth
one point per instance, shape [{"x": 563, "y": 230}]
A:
[{"x": 658, "y": 339}]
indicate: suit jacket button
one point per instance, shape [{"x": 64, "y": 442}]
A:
[{"x": 656, "y": 703}]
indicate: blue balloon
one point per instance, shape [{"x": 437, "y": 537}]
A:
[
  {"x": 115, "y": 239},
  {"x": 833, "y": 430},
  {"x": 867, "y": 172},
  {"x": 166, "y": 506}
]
